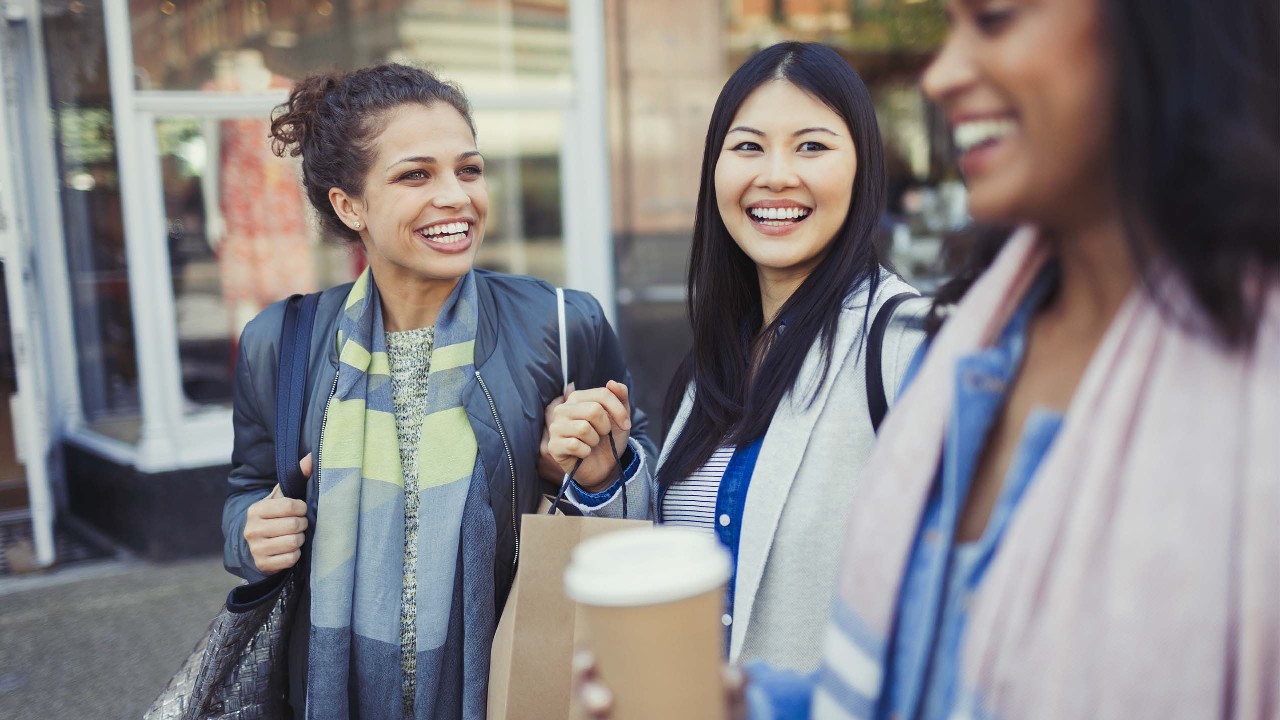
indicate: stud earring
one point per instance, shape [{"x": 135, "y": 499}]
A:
[{"x": 356, "y": 225}]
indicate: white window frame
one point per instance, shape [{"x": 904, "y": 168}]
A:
[{"x": 173, "y": 436}]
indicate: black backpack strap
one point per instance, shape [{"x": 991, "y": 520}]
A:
[
  {"x": 291, "y": 395},
  {"x": 877, "y": 400}
]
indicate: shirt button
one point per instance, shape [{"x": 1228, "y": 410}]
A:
[
  {"x": 724, "y": 520},
  {"x": 726, "y": 619}
]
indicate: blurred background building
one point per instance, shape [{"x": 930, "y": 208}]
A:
[{"x": 143, "y": 219}]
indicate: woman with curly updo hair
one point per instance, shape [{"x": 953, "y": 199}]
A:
[{"x": 423, "y": 412}]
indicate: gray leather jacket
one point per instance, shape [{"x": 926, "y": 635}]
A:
[{"x": 517, "y": 359}]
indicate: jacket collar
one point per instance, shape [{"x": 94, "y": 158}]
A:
[{"x": 487, "y": 324}]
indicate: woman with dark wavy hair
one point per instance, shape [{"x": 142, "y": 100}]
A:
[
  {"x": 423, "y": 410},
  {"x": 1073, "y": 511}
]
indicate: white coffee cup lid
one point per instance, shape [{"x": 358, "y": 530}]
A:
[{"x": 646, "y": 566}]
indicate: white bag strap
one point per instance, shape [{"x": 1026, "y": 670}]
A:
[{"x": 564, "y": 340}]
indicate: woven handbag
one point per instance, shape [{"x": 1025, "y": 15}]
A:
[{"x": 238, "y": 671}]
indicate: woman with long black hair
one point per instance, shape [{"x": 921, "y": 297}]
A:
[{"x": 770, "y": 420}]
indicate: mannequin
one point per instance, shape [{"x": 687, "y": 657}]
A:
[{"x": 257, "y": 225}]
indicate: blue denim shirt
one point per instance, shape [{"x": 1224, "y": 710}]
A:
[
  {"x": 923, "y": 667},
  {"x": 595, "y": 499},
  {"x": 922, "y": 673},
  {"x": 730, "y": 502}
]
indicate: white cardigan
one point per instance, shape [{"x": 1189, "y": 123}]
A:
[{"x": 798, "y": 497}]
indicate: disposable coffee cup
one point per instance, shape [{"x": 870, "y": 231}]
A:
[{"x": 652, "y": 599}]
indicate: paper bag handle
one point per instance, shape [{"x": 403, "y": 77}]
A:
[
  {"x": 617, "y": 460},
  {"x": 564, "y": 385}
]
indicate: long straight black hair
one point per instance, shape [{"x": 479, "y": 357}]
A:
[
  {"x": 1197, "y": 152},
  {"x": 731, "y": 404}
]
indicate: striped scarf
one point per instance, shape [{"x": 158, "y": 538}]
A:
[
  {"x": 357, "y": 570},
  {"x": 1138, "y": 577}
]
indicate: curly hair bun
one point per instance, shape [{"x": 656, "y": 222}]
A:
[{"x": 291, "y": 120}]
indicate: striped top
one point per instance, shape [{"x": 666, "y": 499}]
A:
[{"x": 692, "y": 501}]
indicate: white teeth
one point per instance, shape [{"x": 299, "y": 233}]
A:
[
  {"x": 453, "y": 228},
  {"x": 789, "y": 213},
  {"x": 970, "y": 134}
]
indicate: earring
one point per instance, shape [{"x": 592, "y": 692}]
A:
[{"x": 356, "y": 225}]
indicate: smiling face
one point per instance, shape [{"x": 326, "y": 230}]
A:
[
  {"x": 423, "y": 211},
  {"x": 1027, "y": 88},
  {"x": 784, "y": 180}
]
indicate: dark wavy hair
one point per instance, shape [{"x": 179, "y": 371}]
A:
[
  {"x": 331, "y": 120},
  {"x": 1197, "y": 151},
  {"x": 731, "y": 403}
]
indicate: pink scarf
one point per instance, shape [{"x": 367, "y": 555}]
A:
[{"x": 1140, "y": 574}]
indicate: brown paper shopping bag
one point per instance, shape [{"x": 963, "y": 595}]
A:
[
  {"x": 530, "y": 668},
  {"x": 530, "y": 673}
]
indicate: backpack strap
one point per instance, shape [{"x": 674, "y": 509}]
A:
[
  {"x": 291, "y": 391},
  {"x": 877, "y": 400}
]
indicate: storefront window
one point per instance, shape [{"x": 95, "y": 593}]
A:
[
  {"x": 239, "y": 238},
  {"x": 490, "y": 46},
  {"x": 525, "y": 233},
  {"x": 89, "y": 186}
]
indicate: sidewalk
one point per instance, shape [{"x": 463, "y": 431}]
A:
[{"x": 100, "y": 641}]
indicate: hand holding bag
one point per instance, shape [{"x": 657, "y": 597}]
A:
[
  {"x": 530, "y": 668},
  {"x": 238, "y": 670}
]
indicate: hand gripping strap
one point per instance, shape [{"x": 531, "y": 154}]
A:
[
  {"x": 564, "y": 385},
  {"x": 291, "y": 391}
]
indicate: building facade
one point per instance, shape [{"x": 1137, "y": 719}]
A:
[{"x": 144, "y": 220}]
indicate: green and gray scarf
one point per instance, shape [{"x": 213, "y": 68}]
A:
[{"x": 358, "y": 556}]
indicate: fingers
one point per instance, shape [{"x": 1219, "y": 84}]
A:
[
  {"x": 735, "y": 685},
  {"x": 279, "y": 545},
  {"x": 565, "y": 450},
  {"x": 584, "y": 666},
  {"x": 277, "y": 507},
  {"x": 622, "y": 392},
  {"x": 275, "y": 529},
  {"x": 580, "y": 430},
  {"x": 275, "y": 543},
  {"x": 601, "y": 406},
  {"x": 276, "y": 563},
  {"x": 596, "y": 699},
  {"x": 305, "y": 465},
  {"x": 262, "y": 529}
]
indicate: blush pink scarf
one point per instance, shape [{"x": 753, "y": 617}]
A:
[{"x": 1140, "y": 574}]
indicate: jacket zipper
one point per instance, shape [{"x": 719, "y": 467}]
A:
[
  {"x": 324, "y": 421},
  {"x": 511, "y": 463}
]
